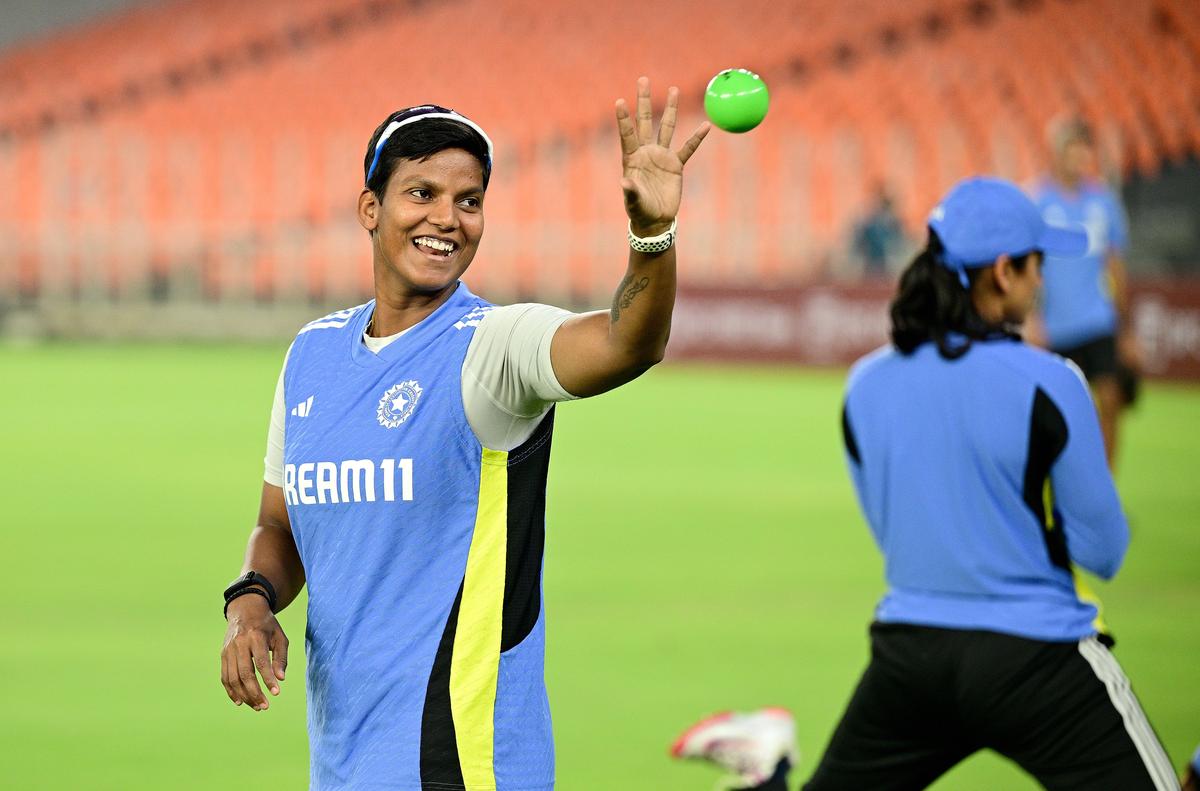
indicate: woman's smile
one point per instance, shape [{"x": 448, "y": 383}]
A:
[{"x": 437, "y": 249}]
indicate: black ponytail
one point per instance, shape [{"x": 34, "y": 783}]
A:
[{"x": 932, "y": 305}]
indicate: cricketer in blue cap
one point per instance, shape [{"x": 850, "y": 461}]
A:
[
  {"x": 984, "y": 218},
  {"x": 979, "y": 467}
]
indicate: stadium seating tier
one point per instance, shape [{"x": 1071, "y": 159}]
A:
[{"x": 221, "y": 127}]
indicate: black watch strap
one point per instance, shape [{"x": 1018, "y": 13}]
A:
[
  {"x": 243, "y": 592},
  {"x": 248, "y": 581}
]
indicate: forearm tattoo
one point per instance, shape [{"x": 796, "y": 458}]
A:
[{"x": 626, "y": 293}]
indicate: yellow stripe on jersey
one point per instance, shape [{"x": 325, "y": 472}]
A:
[
  {"x": 1086, "y": 594},
  {"x": 1083, "y": 591},
  {"x": 475, "y": 661}
]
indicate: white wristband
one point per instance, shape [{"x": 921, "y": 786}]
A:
[{"x": 652, "y": 244}]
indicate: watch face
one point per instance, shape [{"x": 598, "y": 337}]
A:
[{"x": 238, "y": 580}]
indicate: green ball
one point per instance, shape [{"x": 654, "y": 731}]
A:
[{"x": 736, "y": 100}]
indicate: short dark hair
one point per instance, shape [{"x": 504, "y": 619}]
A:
[
  {"x": 419, "y": 141},
  {"x": 931, "y": 304}
]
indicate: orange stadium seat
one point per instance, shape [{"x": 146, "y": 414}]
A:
[{"x": 233, "y": 100}]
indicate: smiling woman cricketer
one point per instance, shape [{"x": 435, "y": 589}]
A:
[{"x": 406, "y": 472}]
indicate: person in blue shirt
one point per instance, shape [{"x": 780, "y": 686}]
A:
[
  {"x": 879, "y": 235},
  {"x": 406, "y": 471},
  {"x": 1085, "y": 302},
  {"x": 979, "y": 465}
]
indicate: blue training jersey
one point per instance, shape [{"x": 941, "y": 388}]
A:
[
  {"x": 984, "y": 482},
  {"x": 423, "y": 556},
  {"x": 1077, "y": 302}
]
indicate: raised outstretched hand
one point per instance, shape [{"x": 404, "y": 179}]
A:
[{"x": 653, "y": 173}]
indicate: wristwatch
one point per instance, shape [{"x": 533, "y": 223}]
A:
[
  {"x": 652, "y": 244},
  {"x": 249, "y": 582}
]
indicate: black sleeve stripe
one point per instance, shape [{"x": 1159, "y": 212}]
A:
[
  {"x": 848, "y": 437},
  {"x": 1047, "y": 438}
]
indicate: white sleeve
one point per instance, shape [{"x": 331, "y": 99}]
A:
[
  {"x": 273, "y": 462},
  {"x": 508, "y": 381}
]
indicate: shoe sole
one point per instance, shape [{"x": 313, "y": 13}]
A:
[{"x": 721, "y": 716}]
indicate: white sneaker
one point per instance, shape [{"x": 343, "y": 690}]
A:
[{"x": 750, "y": 745}]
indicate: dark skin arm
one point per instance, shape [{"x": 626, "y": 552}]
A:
[
  {"x": 254, "y": 639},
  {"x": 595, "y": 352}
]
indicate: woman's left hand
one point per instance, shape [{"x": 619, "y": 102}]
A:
[{"x": 653, "y": 173}]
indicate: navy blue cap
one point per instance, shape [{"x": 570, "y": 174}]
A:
[
  {"x": 422, "y": 112},
  {"x": 984, "y": 218}
]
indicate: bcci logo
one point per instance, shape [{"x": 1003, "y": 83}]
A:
[{"x": 398, "y": 403}]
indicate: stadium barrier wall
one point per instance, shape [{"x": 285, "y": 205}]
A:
[
  {"x": 834, "y": 324},
  {"x": 827, "y": 324}
]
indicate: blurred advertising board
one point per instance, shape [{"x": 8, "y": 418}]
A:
[
  {"x": 1166, "y": 318},
  {"x": 833, "y": 324}
]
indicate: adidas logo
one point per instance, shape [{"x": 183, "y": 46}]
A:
[
  {"x": 303, "y": 408},
  {"x": 473, "y": 318}
]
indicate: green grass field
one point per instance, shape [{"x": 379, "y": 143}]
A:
[{"x": 705, "y": 552}]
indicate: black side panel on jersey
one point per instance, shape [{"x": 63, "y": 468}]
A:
[
  {"x": 848, "y": 436},
  {"x": 440, "y": 766},
  {"x": 1047, "y": 438},
  {"x": 527, "y": 468}
]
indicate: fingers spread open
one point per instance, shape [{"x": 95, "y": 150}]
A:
[
  {"x": 666, "y": 130},
  {"x": 629, "y": 141},
  {"x": 645, "y": 118},
  {"x": 689, "y": 148}
]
